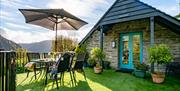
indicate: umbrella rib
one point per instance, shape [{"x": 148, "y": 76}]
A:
[
  {"x": 51, "y": 19},
  {"x": 36, "y": 19},
  {"x": 70, "y": 24}
]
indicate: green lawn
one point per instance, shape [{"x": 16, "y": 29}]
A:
[{"x": 109, "y": 80}]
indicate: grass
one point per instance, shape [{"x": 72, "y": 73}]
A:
[{"x": 109, "y": 80}]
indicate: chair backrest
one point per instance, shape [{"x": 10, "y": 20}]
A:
[
  {"x": 33, "y": 56},
  {"x": 65, "y": 64},
  {"x": 80, "y": 61},
  {"x": 81, "y": 56}
]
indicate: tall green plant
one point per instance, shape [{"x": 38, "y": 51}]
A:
[
  {"x": 80, "y": 49},
  {"x": 160, "y": 54},
  {"x": 97, "y": 55},
  {"x": 64, "y": 44}
]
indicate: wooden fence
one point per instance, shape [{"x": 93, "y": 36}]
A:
[
  {"x": 7, "y": 71},
  {"x": 23, "y": 57},
  {"x": 9, "y": 64}
]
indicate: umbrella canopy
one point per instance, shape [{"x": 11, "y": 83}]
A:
[{"x": 53, "y": 19}]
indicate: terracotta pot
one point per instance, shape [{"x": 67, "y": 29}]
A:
[
  {"x": 158, "y": 78},
  {"x": 97, "y": 70}
]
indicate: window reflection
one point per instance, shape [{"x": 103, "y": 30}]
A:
[
  {"x": 136, "y": 48},
  {"x": 125, "y": 58}
]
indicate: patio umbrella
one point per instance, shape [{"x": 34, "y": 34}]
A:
[{"x": 53, "y": 19}]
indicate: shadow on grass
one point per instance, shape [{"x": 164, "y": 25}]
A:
[
  {"x": 32, "y": 86},
  {"x": 27, "y": 84},
  {"x": 82, "y": 86},
  {"x": 39, "y": 85},
  {"x": 109, "y": 80}
]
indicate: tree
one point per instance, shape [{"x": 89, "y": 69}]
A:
[
  {"x": 177, "y": 16},
  {"x": 64, "y": 44}
]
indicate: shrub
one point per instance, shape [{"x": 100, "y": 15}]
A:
[
  {"x": 96, "y": 56},
  {"x": 160, "y": 54}
]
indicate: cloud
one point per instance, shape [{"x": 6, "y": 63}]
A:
[
  {"x": 15, "y": 29},
  {"x": 26, "y": 37},
  {"x": 2, "y": 32},
  {"x": 13, "y": 4},
  {"x": 81, "y": 8},
  {"x": 170, "y": 7},
  {"x": 4, "y": 13},
  {"x": 89, "y": 10},
  {"x": 171, "y": 10},
  {"x": 16, "y": 26},
  {"x": 20, "y": 36}
]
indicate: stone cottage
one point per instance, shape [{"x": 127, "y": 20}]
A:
[{"x": 128, "y": 28}]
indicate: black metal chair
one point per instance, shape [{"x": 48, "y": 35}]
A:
[
  {"x": 31, "y": 57},
  {"x": 79, "y": 65},
  {"x": 64, "y": 64}
]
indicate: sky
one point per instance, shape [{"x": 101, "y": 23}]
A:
[{"x": 13, "y": 26}]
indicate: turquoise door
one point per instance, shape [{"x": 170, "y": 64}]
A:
[{"x": 130, "y": 49}]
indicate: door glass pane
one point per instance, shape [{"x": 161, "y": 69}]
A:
[
  {"x": 136, "y": 48},
  {"x": 125, "y": 57}
]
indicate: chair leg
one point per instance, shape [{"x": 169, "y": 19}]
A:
[
  {"x": 35, "y": 73},
  {"x": 28, "y": 74},
  {"x": 71, "y": 78},
  {"x": 84, "y": 74},
  {"x": 62, "y": 78},
  {"x": 56, "y": 81},
  {"x": 74, "y": 73},
  {"x": 53, "y": 84},
  {"x": 74, "y": 76}
]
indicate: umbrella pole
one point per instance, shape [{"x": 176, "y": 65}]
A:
[{"x": 56, "y": 39}]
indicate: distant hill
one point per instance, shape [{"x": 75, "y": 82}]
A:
[
  {"x": 8, "y": 45},
  {"x": 43, "y": 46}
]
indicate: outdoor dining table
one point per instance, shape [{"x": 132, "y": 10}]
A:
[{"x": 48, "y": 63}]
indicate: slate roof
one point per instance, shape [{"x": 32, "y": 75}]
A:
[{"x": 127, "y": 10}]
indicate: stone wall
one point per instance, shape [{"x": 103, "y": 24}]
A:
[
  {"x": 113, "y": 34},
  {"x": 162, "y": 35},
  {"x": 93, "y": 41},
  {"x": 165, "y": 36}
]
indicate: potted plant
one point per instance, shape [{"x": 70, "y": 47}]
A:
[
  {"x": 91, "y": 62},
  {"x": 159, "y": 54},
  {"x": 96, "y": 57},
  {"x": 140, "y": 69}
]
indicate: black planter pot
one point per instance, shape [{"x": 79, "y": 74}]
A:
[
  {"x": 139, "y": 73},
  {"x": 106, "y": 65},
  {"x": 86, "y": 64}
]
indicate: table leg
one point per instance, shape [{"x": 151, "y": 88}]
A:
[
  {"x": 47, "y": 70},
  {"x": 35, "y": 71}
]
